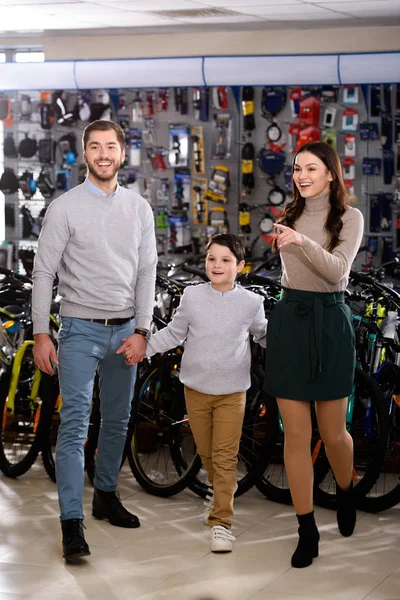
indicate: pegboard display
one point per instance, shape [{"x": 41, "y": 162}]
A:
[{"x": 206, "y": 160}]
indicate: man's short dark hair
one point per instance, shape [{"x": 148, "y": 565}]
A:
[
  {"x": 103, "y": 125},
  {"x": 231, "y": 241}
]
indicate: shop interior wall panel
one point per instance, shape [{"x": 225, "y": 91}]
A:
[
  {"x": 370, "y": 68},
  {"x": 37, "y": 76},
  {"x": 271, "y": 70},
  {"x": 144, "y": 73}
]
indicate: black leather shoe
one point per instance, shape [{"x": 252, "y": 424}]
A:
[
  {"x": 108, "y": 505},
  {"x": 307, "y": 547},
  {"x": 73, "y": 540},
  {"x": 346, "y": 514}
]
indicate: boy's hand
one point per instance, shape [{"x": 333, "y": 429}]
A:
[{"x": 133, "y": 349}]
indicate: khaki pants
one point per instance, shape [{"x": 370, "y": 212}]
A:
[{"x": 216, "y": 423}]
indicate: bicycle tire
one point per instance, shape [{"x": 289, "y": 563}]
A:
[
  {"x": 369, "y": 414},
  {"x": 157, "y": 425},
  {"x": 22, "y": 428}
]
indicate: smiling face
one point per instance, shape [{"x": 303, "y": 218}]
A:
[
  {"x": 103, "y": 155},
  {"x": 222, "y": 267},
  {"x": 310, "y": 175}
]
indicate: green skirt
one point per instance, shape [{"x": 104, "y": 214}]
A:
[{"x": 310, "y": 347}]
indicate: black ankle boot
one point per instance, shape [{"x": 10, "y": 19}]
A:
[
  {"x": 108, "y": 505},
  {"x": 346, "y": 510},
  {"x": 73, "y": 540},
  {"x": 307, "y": 548}
]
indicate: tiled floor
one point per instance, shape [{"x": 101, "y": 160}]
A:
[{"x": 168, "y": 558}]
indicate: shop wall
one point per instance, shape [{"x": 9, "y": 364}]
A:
[{"x": 195, "y": 43}]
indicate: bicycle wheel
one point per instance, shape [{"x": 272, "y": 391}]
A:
[
  {"x": 160, "y": 436},
  {"x": 386, "y": 491},
  {"x": 368, "y": 427},
  {"x": 20, "y": 433}
]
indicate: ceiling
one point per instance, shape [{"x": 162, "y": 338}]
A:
[{"x": 149, "y": 16}]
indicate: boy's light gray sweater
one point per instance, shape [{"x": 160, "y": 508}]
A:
[
  {"x": 104, "y": 252},
  {"x": 215, "y": 330}
]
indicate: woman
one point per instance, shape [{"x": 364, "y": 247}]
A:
[{"x": 310, "y": 338}]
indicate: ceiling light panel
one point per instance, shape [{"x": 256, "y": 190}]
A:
[
  {"x": 382, "y": 6},
  {"x": 295, "y": 8}
]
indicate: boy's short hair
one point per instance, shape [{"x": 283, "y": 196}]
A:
[{"x": 231, "y": 241}]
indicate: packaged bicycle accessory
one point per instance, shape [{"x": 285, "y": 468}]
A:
[
  {"x": 221, "y": 136},
  {"x": 148, "y": 104},
  {"x": 10, "y": 149},
  {"x": 162, "y": 104},
  {"x": 5, "y": 109},
  {"x": 349, "y": 169},
  {"x": 329, "y": 94},
  {"x": 249, "y": 123},
  {"x": 45, "y": 184},
  {"x": 276, "y": 196},
  {"x": 369, "y": 131},
  {"x": 349, "y": 144},
  {"x": 62, "y": 179},
  {"x": 182, "y": 191},
  {"x": 199, "y": 201},
  {"x": 271, "y": 163},
  {"x": 217, "y": 220},
  {"x": 198, "y": 150},
  {"x": 135, "y": 146},
  {"x": 68, "y": 151},
  {"x": 349, "y": 120},
  {"x": 47, "y": 117},
  {"x": 329, "y": 117},
  {"x": 179, "y": 234},
  {"x": 309, "y": 112},
  {"x": 220, "y": 98},
  {"x": 330, "y": 137},
  {"x": 100, "y": 107},
  {"x": 371, "y": 166},
  {"x": 62, "y": 114},
  {"x": 350, "y": 94},
  {"x": 9, "y": 182},
  {"x": 25, "y": 107},
  {"x": 294, "y": 98},
  {"x": 273, "y": 100},
  {"x": 156, "y": 156},
  {"x": 244, "y": 218},
  {"x": 47, "y": 150},
  {"x": 161, "y": 218},
  {"x": 162, "y": 191},
  {"x": 201, "y": 103},
  {"x": 181, "y": 100},
  {"x": 178, "y": 145},
  {"x": 248, "y": 154},
  {"x": 307, "y": 135},
  {"x": 218, "y": 185},
  {"x": 27, "y": 147},
  {"x": 27, "y": 184}
]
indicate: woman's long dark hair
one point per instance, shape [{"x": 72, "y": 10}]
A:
[{"x": 338, "y": 195}]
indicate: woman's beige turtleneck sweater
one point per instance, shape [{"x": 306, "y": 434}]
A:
[{"x": 310, "y": 266}]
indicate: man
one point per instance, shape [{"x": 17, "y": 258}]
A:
[{"x": 99, "y": 239}]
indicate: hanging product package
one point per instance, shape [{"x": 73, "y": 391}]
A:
[
  {"x": 178, "y": 146},
  {"x": 221, "y": 136}
]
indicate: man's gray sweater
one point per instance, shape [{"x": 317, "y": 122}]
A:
[
  {"x": 215, "y": 330},
  {"x": 103, "y": 250}
]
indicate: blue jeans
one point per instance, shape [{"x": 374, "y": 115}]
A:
[{"x": 84, "y": 348}]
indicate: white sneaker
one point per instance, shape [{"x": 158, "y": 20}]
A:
[
  {"x": 221, "y": 539},
  {"x": 208, "y": 504}
]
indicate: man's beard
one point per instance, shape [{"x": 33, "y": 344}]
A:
[{"x": 92, "y": 170}]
